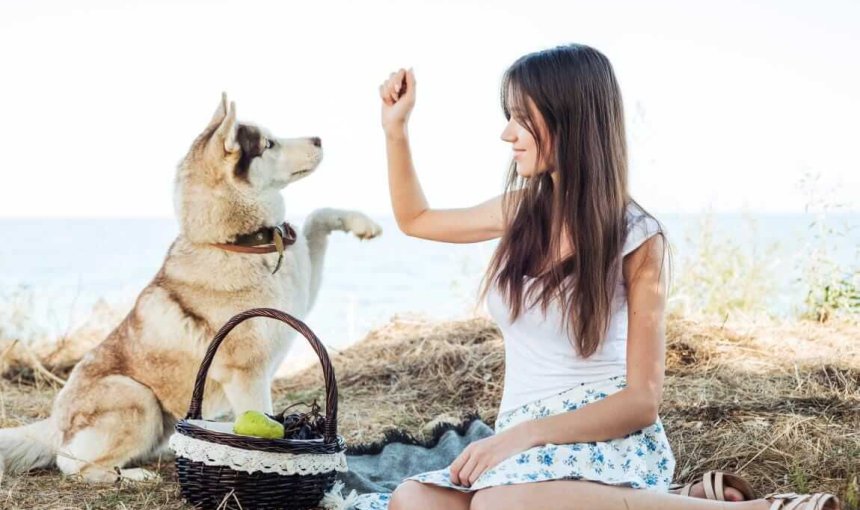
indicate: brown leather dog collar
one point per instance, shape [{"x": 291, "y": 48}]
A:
[{"x": 263, "y": 240}]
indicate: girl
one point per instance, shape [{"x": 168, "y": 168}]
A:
[{"x": 578, "y": 288}]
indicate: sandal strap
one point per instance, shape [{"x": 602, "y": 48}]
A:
[
  {"x": 814, "y": 502},
  {"x": 721, "y": 487},
  {"x": 818, "y": 501},
  {"x": 708, "y": 479},
  {"x": 779, "y": 499},
  {"x": 794, "y": 501},
  {"x": 822, "y": 498},
  {"x": 681, "y": 489},
  {"x": 685, "y": 491},
  {"x": 795, "y": 504},
  {"x": 715, "y": 484}
]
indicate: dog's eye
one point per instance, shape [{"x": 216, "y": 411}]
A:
[{"x": 269, "y": 144}]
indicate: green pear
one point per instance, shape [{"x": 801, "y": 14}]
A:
[{"x": 257, "y": 424}]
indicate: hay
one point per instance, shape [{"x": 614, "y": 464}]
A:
[{"x": 777, "y": 402}]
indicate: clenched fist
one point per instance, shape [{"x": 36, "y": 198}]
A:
[{"x": 398, "y": 100}]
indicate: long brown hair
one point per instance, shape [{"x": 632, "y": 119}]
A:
[{"x": 574, "y": 90}]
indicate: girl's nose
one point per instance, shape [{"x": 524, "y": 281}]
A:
[{"x": 509, "y": 134}]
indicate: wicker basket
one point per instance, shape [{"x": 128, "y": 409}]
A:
[{"x": 219, "y": 469}]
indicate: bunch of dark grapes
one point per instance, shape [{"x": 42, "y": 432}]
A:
[{"x": 309, "y": 425}]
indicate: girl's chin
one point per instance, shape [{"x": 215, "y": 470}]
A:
[{"x": 523, "y": 171}]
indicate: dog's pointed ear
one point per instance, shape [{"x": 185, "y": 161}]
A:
[
  {"x": 227, "y": 129},
  {"x": 220, "y": 112}
]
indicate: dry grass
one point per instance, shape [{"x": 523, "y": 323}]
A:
[{"x": 777, "y": 402}]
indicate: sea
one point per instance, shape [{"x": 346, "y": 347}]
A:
[{"x": 54, "y": 272}]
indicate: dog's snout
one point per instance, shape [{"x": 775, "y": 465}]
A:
[{"x": 317, "y": 141}]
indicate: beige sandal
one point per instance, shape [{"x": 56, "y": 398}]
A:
[
  {"x": 715, "y": 483},
  {"x": 793, "y": 501}
]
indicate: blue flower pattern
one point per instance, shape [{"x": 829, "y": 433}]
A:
[{"x": 641, "y": 460}]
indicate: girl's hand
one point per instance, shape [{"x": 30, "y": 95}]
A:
[
  {"x": 487, "y": 453},
  {"x": 398, "y": 99}
]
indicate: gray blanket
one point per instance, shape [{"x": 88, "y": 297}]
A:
[{"x": 382, "y": 466}]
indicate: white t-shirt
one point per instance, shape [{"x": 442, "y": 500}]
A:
[{"x": 540, "y": 360}]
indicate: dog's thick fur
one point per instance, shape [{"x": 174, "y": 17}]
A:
[{"x": 123, "y": 398}]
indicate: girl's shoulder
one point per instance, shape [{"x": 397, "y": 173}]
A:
[{"x": 641, "y": 226}]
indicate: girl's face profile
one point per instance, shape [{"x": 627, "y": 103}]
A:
[{"x": 524, "y": 145}]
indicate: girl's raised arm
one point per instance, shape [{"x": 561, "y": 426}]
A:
[{"x": 414, "y": 216}]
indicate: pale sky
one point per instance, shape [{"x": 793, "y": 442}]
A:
[{"x": 727, "y": 103}]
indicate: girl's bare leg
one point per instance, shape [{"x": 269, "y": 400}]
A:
[
  {"x": 412, "y": 495},
  {"x": 579, "y": 495}
]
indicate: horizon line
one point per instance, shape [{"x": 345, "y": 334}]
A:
[{"x": 301, "y": 214}]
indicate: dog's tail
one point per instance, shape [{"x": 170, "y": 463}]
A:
[{"x": 28, "y": 447}]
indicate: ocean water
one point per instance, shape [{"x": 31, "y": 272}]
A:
[{"x": 56, "y": 270}]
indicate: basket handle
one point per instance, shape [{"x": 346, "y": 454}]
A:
[{"x": 330, "y": 433}]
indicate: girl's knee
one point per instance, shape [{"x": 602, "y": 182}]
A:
[
  {"x": 406, "y": 495},
  {"x": 483, "y": 500},
  {"x": 497, "y": 498},
  {"x": 411, "y": 495}
]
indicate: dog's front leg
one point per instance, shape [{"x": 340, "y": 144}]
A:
[
  {"x": 248, "y": 394},
  {"x": 319, "y": 224}
]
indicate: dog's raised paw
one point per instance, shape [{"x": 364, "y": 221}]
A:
[{"x": 361, "y": 226}]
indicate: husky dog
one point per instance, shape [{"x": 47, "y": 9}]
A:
[{"x": 123, "y": 398}]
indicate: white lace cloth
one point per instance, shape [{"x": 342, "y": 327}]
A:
[{"x": 251, "y": 461}]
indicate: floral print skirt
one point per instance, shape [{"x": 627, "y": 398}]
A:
[{"x": 641, "y": 460}]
